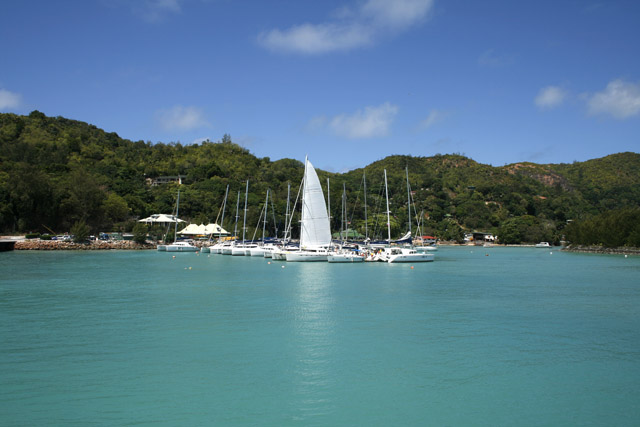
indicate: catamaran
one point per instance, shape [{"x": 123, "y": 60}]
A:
[
  {"x": 315, "y": 232},
  {"x": 392, "y": 254},
  {"x": 259, "y": 250},
  {"x": 344, "y": 254},
  {"x": 181, "y": 246},
  {"x": 241, "y": 248}
]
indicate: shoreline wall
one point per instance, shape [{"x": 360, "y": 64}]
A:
[
  {"x": 602, "y": 250},
  {"x": 56, "y": 245}
]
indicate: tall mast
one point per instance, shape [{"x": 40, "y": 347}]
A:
[
  {"x": 386, "y": 191},
  {"x": 244, "y": 223},
  {"x": 302, "y": 213},
  {"x": 273, "y": 214},
  {"x": 224, "y": 206},
  {"x": 366, "y": 225},
  {"x": 175, "y": 231},
  {"x": 344, "y": 210},
  {"x": 286, "y": 215},
  {"x": 328, "y": 201},
  {"x": 408, "y": 198},
  {"x": 235, "y": 227},
  {"x": 266, "y": 207},
  {"x": 329, "y": 205}
]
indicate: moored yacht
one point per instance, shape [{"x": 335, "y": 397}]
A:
[
  {"x": 181, "y": 246},
  {"x": 315, "y": 233},
  {"x": 398, "y": 254},
  {"x": 316, "y": 254},
  {"x": 345, "y": 256}
]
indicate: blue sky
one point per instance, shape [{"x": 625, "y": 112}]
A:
[{"x": 346, "y": 82}]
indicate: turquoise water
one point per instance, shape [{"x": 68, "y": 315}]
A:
[{"x": 497, "y": 336}]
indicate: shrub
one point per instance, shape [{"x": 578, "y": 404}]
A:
[
  {"x": 80, "y": 231},
  {"x": 140, "y": 233}
]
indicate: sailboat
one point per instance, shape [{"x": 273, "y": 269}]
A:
[
  {"x": 242, "y": 248},
  {"x": 217, "y": 247},
  {"x": 179, "y": 246},
  {"x": 344, "y": 255},
  {"x": 279, "y": 252},
  {"x": 258, "y": 250},
  {"x": 227, "y": 246},
  {"x": 315, "y": 232},
  {"x": 392, "y": 254}
]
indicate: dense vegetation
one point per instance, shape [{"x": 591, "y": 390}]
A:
[
  {"x": 620, "y": 227},
  {"x": 58, "y": 172}
]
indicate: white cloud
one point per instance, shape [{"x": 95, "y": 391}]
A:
[
  {"x": 550, "y": 97},
  {"x": 434, "y": 117},
  {"x": 181, "y": 118},
  {"x": 308, "y": 38},
  {"x": 619, "y": 99},
  {"x": 154, "y": 10},
  {"x": 316, "y": 123},
  {"x": 398, "y": 14},
  {"x": 370, "y": 123},
  {"x": 349, "y": 28},
  {"x": 9, "y": 99}
]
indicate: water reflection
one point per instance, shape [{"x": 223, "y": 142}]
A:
[{"x": 315, "y": 342}]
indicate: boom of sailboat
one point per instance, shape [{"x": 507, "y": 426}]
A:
[{"x": 315, "y": 242}]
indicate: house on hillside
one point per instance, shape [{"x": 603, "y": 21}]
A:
[
  {"x": 479, "y": 238},
  {"x": 153, "y": 182}
]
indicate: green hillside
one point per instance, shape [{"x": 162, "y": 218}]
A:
[{"x": 56, "y": 172}]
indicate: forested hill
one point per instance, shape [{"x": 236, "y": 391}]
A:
[{"x": 55, "y": 172}]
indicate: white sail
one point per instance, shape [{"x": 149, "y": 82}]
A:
[{"x": 315, "y": 230}]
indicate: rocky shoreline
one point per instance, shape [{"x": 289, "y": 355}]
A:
[
  {"x": 57, "y": 245},
  {"x": 602, "y": 250}
]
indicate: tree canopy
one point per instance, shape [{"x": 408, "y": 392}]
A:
[{"x": 57, "y": 172}]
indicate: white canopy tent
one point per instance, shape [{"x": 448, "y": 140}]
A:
[
  {"x": 161, "y": 219},
  {"x": 203, "y": 230},
  {"x": 215, "y": 229}
]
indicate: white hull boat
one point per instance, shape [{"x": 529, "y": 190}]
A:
[
  {"x": 249, "y": 248},
  {"x": 393, "y": 255},
  {"x": 268, "y": 251},
  {"x": 181, "y": 247},
  {"x": 259, "y": 251},
  {"x": 302, "y": 256},
  {"x": 280, "y": 254},
  {"x": 345, "y": 257},
  {"x": 239, "y": 250}
]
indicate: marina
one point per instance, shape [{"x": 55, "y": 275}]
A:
[{"x": 353, "y": 213}]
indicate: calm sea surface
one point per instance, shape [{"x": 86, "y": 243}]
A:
[{"x": 496, "y": 336}]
